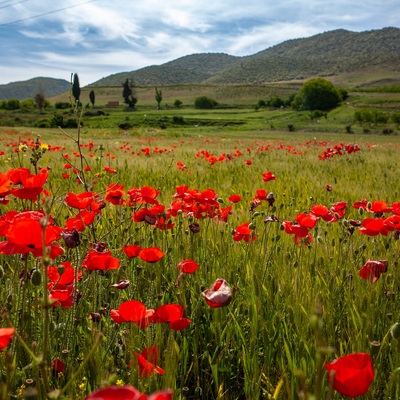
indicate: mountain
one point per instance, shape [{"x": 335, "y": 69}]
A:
[
  {"x": 367, "y": 59},
  {"x": 28, "y": 89},
  {"x": 373, "y": 55},
  {"x": 194, "y": 68},
  {"x": 326, "y": 54}
]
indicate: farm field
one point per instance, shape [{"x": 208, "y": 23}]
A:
[{"x": 211, "y": 261}]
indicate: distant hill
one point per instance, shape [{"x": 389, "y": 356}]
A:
[
  {"x": 351, "y": 59},
  {"x": 327, "y": 54},
  {"x": 28, "y": 89},
  {"x": 195, "y": 68},
  {"x": 370, "y": 55}
]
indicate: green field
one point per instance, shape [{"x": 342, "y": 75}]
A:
[{"x": 298, "y": 300}]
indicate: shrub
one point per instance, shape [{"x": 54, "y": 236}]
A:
[
  {"x": 12, "y": 104},
  {"x": 317, "y": 94},
  {"x": 177, "y": 119},
  {"x": 43, "y": 123},
  {"x": 61, "y": 105},
  {"x": 177, "y": 103},
  {"x": 204, "y": 102}
]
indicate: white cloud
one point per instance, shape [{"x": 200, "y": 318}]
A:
[{"x": 100, "y": 38}]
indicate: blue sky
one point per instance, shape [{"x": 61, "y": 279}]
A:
[{"x": 97, "y": 38}]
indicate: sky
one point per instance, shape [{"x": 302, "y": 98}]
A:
[{"x": 97, "y": 38}]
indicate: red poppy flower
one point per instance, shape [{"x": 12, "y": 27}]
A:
[
  {"x": 361, "y": 204},
  {"x": 219, "y": 294},
  {"x": 307, "y": 220},
  {"x": 32, "y": 186},
  {"x": 323, "y": 212},
  {"x": 339, "y": 209},
  {"x": 85, "y": 200},
  {"x": 268, "y": 176},
  {"x": 188, "y": 266},
  {"x": 378, "y": 207},
  {"x": 151, "y": 254},
  {"x": 64, "y": 274},
  {"x": 145, "y": 195},
  {"x": 373, "y": 227},
  {"x": 103, "y": 261},
  {"x": 5, "y": 183},
  {"x": 132, "y": 250},
  {"x": 243, "y": 232},
  {"x": 372, "y": 270},
  {"x": 295, "y": 229},
  {"x": 57, "y": 365},
  {"x": 127, "y": 392},
  {"x": 6, "y": 335},
  {"x": 172, "y": 314},
  {"x": 16, "y": 175},
  {"x": 114, "y": 194},
  {"x": 235, "y": 198},
  {"x": 248, "y": 162},
  {"x": 132, "y": 310},
  {"x": 351, "y": 375},
  {"x": 148, "y": 360},
  {"x": 392, "y": 223},
  {"x": 61, "y": 295},
  {"x": 24, "y": 235}
]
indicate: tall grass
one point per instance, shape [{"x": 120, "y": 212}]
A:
[{"x": 294, "y": 307}]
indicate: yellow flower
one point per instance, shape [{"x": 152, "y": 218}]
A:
[
  {"x": 120, "y": 382},
  {"x": 22, "y": 147},
  {"x": 44, "y": 146}
]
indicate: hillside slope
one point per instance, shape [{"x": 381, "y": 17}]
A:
[{"x": 28, "y": 89}]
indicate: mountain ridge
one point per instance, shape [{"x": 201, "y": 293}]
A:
[{"x": 346, "y": 57}]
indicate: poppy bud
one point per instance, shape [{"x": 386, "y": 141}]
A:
[
  {"x": 395, "y": 331},
  {"x": 71, "y": 238},
  {"x": 374, "y": 348},
  {"x": 95, "y": 317},
  {"x": 271, "y": 199},
  {"x": 36, "y": 278},
  {"x": 194, "y": 227},
  {"x": 252, "y": 226}
]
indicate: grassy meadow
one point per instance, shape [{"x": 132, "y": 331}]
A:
[{"x": 298, "y": 300}]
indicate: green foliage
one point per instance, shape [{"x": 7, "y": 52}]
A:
[
  {"x": 76, "y": 88},
  {"x": 371, "y": 116},
  {"x": 128, "y": 94},
  {"x": 12, "y": 104},
  {"x": 178, "y": 103},
  {"x": 158, "y": 97},
  {"x": 28, "y": 104},
  {"x": 261, "y": 103},
  {"x": 205, "y": 103},
  {"x": 317, "y": 114},
  {"x": 317, "y": 94},
  {"x": 40, "y": 101},
  {"x": 276, "y": 102},
  {"x": 62, "y": 105},
  {"x": 92, "y": 97}
]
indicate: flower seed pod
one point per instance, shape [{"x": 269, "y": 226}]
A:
[
  {"x": 395, "y": 331},
  {"x": 36, "y": 277}
]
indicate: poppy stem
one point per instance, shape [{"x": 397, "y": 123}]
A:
[{"x": 96, "y": 342}]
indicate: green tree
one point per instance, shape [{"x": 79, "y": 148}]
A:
[
  {"x": 205, "y": 102},
  {"x": 128, "y": 95},
  {"x": 317, "y": 94},
  {"x": 92, "y": 97},
  {"x": 158, "y": 97},
  {"x": 40, "y": 101},
  {"x": 76, "y": 89},
  {"x": 178, "y": 103}
]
